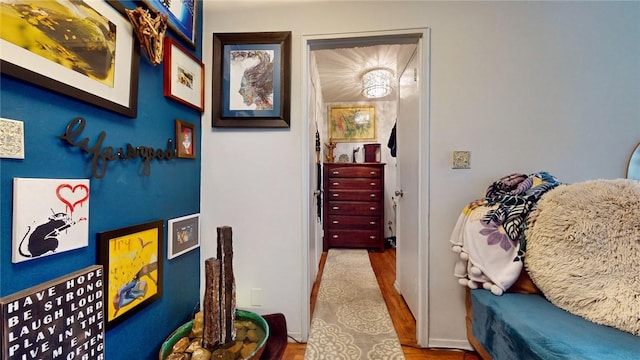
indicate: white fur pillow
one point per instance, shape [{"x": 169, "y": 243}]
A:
[{"x": 583, "y": 250}]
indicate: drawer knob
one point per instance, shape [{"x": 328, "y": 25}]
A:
[
  {"x": 372, "y": 222},
  {"x": 372, "y": 195},
  {"x": 336, "y": 207},
  {"x": 336, "y": 183},
  {"x": 336, "y": 222},
  {"x": 336, "y": 195},
  {"x": 372, "y": 184},
  {"x": 335, "y": 236},
  {"x": 336, "y": 173},
  {"x": 372, "y": 237},
  {"x": 372, "y": 208},
  {"x": 372, "y": 173}
]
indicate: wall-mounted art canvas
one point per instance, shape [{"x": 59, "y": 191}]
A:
[
  {"x": 50, "y": 216},
  {"x": 59, "y": 319}
]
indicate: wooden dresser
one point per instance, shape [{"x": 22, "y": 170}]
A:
[{"x": 354, "y": 205}]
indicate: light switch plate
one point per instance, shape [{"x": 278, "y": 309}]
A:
[{"x": 461, "y": 160}]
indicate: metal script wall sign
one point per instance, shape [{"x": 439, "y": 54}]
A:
[
  {"x": 59, "y": 319},
  {"x": 101, "y": 157}
]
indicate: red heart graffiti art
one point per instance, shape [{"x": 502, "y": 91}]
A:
[{"x": 72, "y": 195}]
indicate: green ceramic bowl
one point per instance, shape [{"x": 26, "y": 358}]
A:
[{"x": 185, "y": 329}]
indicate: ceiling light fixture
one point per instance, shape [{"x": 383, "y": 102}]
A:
[{"x": 376, "y": 83}]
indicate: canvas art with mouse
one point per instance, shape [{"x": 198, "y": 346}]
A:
[{"x": 50, "y": 216}]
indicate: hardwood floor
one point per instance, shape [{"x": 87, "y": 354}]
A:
[{"x": 384, "y": 266}]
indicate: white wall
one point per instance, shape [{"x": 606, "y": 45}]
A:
[{"x": 525, "y": 86}]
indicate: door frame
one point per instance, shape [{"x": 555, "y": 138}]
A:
[{"x": 307, "y": 41}]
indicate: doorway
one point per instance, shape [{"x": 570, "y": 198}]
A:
[{"x": 315, "y": 113}]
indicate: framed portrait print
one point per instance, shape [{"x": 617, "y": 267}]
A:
[
  {"x": 352, "y": 123},
  {"x": 182, "y": 17},
  {"x": 185, "y": 140},
  {"x": 251, "y": 80},
  {"x": 132, "y": 261},
  {"x": 183, "y": 75},
  {"x": 85, "y": 50},
  {"x": 184, "y": 235}
]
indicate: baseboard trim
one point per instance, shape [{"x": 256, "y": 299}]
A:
[{"x": 450, "y": 344}]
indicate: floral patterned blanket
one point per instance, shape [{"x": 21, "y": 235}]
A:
[{"x": 489, "y": 233}]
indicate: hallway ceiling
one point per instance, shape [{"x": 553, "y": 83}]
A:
[{"x": 340, "y": 69}]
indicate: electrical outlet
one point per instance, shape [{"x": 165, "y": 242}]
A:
[
  {"x": 256, "y": 297},
  {"x": 461, "y": 160}
]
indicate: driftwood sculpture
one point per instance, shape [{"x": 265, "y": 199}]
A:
[{"x": 150, "y": 31}]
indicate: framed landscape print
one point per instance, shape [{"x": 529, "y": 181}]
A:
[
  {"x": 352, "y": 123},
  {"x": 84, "y": 50},
  {"x": 182, "y": 15},
  {"x": 251, "y": 80},
  {"x": 183, "y": 75},
  {"x": 132, "y": 261}
]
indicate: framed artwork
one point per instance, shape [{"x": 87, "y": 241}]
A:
[
  {"x": 11, "y": 139},
  {"x": 184, "y": 235},
  {"x": 132, "y": 261},
  {"x": 352, "y": 123},
  {"x": 97, "y": 64},
  {"x": 50, "y": 216},
  {"x": 183, "y": 75},
  {"x": 182, "y": 15},
  {"x": 251, "y": 80},
  {"x": 62, "y": 307},
  {"x": 185, "y": 140}
]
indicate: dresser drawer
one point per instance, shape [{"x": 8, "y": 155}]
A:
[
  {"x": 354, "y": 195},
  {"x": 354, "y": 238},
  {"x": 358, "y": 183},
  {"x": 353, "y": 208},
  {"x": 351, "y": 171},
  {"x": 354, "y": 222}
]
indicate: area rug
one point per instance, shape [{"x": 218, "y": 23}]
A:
[
  {"x": 583, "y": 250},
  {"x": 350, "y": 319}
]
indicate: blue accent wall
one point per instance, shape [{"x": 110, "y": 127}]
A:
[{"x": 124, "y": 197}]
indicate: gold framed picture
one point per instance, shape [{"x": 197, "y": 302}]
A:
[{"x": 352, "y": 123}]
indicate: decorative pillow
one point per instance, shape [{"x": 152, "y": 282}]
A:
[{"x": 583, "y": 250}]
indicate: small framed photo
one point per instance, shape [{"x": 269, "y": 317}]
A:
[
  {"x": 132, "y": 260},
  {"x": 184, "y": 235},
  {"x": 183, "y": 75},
  {"x": 251, "y": 80},
  {"x": 352, "y": 123},
  {"x": 185, "y": 139}
]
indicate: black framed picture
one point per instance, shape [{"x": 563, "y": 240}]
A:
[
  {"x": 85, "y": 50},
  {"x": 132, "y": 260},
  {"x": 251, "y": 80}
]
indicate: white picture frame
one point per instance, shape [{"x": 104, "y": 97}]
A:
[{"x": 183, "y": 235}]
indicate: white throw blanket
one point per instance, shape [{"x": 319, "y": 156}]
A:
[
  {"x": 489, "y": 234},
  {"x": 486, "y": 253}
]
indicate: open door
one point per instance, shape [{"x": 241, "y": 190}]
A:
[{"x": 407, "y": 193}]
